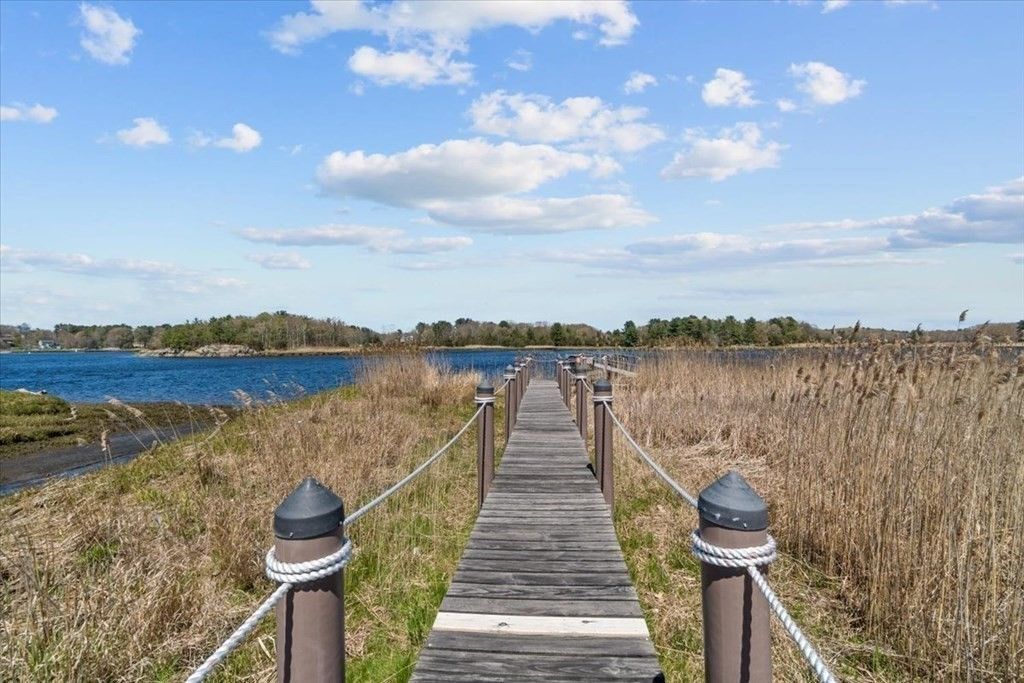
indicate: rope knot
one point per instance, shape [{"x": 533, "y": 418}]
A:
[
  {"x": 739, "y": 558},
  {"x": 304, "y": 572}
]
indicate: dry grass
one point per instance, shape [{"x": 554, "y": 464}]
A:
[
  {"x": 137, "y": 572},
  {"x": 895, "y": 478}
]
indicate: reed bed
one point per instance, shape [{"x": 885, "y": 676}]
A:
[
  {"x": 895, "y": 479},
  {"x": 138, "y": 572}
]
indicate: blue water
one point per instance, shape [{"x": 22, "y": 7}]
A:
[{"x": 97, "y": 376}]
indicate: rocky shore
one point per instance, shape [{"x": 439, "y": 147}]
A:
[{"x": 208, "y": 351}]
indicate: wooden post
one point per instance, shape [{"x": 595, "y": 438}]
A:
[
  {"x": 737, "y": 639},
  {"x": 520, "y": 381},
  {"x": 581, "y": 402},
  {"x": 510, "y": 401},
  {"x": 603, "y": 440},
  {"x": 311, "y": 617},
  {"x": 484, "y": 442},
  {"x": 607, "y": 369}
]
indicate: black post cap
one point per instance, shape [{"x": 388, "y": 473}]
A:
[
  {"x": 485, "y": 390},
  {"x": 509, "y": 369},
  {"x": 730, "y": 502},
  {"x": 602, "y": 386},
  {"x": 309, "y": 511}
]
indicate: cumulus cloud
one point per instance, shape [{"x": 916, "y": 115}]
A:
[
  {"x": 639, "y": 81},
  {"x": 785, "y": 105},
  {"x": 728, "y": 88},
  {"x": 582, "y": 123},
  {"x": 282, "y": 261},
  {"x": 516, "y": 215},
  {"x": 442, "y": 23},
  {"x": 410, "y": 67},
  {"x": 37, "y": 113},
  {"x": 108, "y": 37},
  {"x": 243, "y": 139},
  {"x": 426, "y": 35},
  {"x": 145, "y": 133},
  {"x": 374, "y": 239},
  {"x": 451, "y": 170},
  {"x": 159, "y": 273},
  {"x": 739, "y": 149},
  {"x": 825, "y": 84},
  {"x": 473, "y": 184}
]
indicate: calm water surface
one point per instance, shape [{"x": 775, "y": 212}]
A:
[{"x": 97, "y": 376}]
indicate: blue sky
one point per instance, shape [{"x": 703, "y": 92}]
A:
[{"x": 386, "y": 163}]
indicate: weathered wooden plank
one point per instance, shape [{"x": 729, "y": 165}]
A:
[
  {"x": 541, "y": 644},
  {"x": 542, "y": 591}
]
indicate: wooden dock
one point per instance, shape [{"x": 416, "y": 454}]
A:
[{"x": 542, "y": 591}]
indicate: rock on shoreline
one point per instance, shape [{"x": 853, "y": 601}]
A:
[{"x": 208, "y": 351}]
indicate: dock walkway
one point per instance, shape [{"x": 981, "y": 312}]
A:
[{"x": 542, "y": 591}]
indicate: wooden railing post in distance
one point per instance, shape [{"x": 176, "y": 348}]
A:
[
  {"x": 510, "y": 401},
  {"x": 604, "y": 468},
  {"x": 484, "y": 441},
  {"x": 311, "y": 617},
  {"x": 737, "y": 642},
  {"x": 607, "y": 368},
  {"x": 581, "y": 401},
  {"x": 520, "y": 381},
  {"x": 567, "y": 383}
]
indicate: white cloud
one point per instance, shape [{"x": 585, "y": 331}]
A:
[
  {"x": 514, "y": 215},
  {"x": 580, "y": 122},
  {"x": 995, "y": 216},
  {"x": 740, "y": 148},
  {"x": 37, "y": 113},
  {"x": 145, "y": 133},
  {"x": 638, "y": 81},
  {"x": 728, "y": 88},
  {"x": 157, "y": 273},
  {"x": 785, "y": 105},
  {"x": 444, "y": 23},
  {"x": 379, "y": 240},
  {"x": 425, "y": 35},
  {"x": 825, "y": 84},
  {"x": 243, "y": 139},
  {"x": 282, "y": 261},
  {"x": 108, "y": 37},
  {"x": 833, "y": 5},
  {"x": 410, "y": 67},
  {"x": 451, "y": 170},
  {"x": 522, "y": 60}
]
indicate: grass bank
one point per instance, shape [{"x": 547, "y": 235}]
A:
[
  {"x": 895, "y": 482},
  {"x": 30, "y": 423},
  {"x": 137, "y": 572}
]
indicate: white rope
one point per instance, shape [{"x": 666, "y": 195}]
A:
[
  {"x": 750, "y": 559},
  {"x": 289, "y": 574},
  {"x": 412, "y": 475},
  {"x": 686, "y": 495}
]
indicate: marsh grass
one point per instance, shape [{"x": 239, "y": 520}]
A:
[
  {"x": 137, "y": 572},
  {"x": 895, "y": 480}
]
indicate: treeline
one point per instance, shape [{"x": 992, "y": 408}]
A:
[{"x": 283, "y": 331}]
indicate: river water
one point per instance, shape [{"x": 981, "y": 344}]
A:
[{"x": 97, "y": 376}]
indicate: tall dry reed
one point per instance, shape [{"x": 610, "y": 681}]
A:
[
  {"x": 896, "y": 471},
  {"x": 137, "y": 572}
]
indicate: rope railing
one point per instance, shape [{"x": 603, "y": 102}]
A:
[
  {"x": 290, "y": 574},
  {"x": 749, "y": 559}
]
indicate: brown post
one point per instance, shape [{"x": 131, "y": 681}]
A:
[
  {"x": 484, "y": 441},
  {"x": 603, "y": 440},
  {"x": 567, "y": 384},
  {"x": 520, "y": 381},
  {"x": 737, "y": 642},
  {"x": 581, "y": 402},
  {"x": 311, "y": 617},
  {"x": 510, "y": 401},
  {"x": 607, "y": 369}
]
